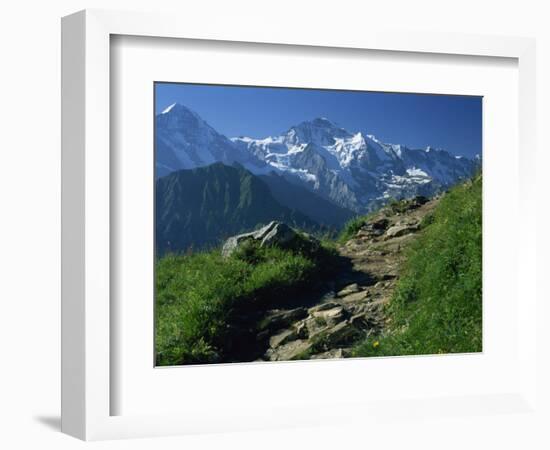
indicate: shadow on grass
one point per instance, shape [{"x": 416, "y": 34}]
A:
[{"x": 248, "y": 344}]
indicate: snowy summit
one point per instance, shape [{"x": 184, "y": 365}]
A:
[{"x": 350, "y": 168}]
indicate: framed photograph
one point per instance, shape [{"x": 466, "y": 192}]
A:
[
  {"x": 296, "y": 246},
  {"x": 253, "y": 219}
]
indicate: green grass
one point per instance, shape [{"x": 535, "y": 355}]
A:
[
  {"x": 437, "y": 307},
  {"x": 350, "y": 229},
  {"x": 201, "y": 298}
]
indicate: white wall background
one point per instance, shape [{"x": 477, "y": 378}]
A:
[{"x": 30, "y": 199}]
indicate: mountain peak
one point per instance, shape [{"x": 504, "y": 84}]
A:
[
  {"x": 323, "y": 122},
  {"x": 169, "y": 108},
  {"x": 185, "y": 141},
  {"x": 319, "y": 131},
  {"x": 178, "y": 109},
  {"x": 319, "y": 122},
  {"x": 177, "y": 115}
]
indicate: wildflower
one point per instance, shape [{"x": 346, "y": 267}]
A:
[{"x": 375, "y": 344}]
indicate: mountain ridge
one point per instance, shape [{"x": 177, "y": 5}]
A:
[
  {"x": 354, "y": 170},
  {"x": 197, "y": 208}
]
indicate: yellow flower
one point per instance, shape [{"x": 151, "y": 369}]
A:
[{"x": 375, "y": 344}]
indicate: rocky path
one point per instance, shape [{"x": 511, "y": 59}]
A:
[{"x": 350, "y": 306}]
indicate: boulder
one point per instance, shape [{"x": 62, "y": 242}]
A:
[
  {"x": 323, "y": 306},
  {"x": 277, "y": 233},
  {"x": 401, "y": 230},
  {"x": 373, "y": 228},
  {"x": 278, "y": 319},
  {"x": 315, "y": 325},
  {"x": 341, "y": 334},
  {"x": 274, "y": 234},
  {"x": 356, "y": 297},
  {"x": 350, "y": 289},
  {"x": 283, "y": 338},
  {"x": 289, "y": 351},
  {"x": 330, "y": 315}
]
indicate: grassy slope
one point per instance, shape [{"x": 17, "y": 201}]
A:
[
  {"x": 200, "y": 297},
  {"x": 437, "y": 306}
]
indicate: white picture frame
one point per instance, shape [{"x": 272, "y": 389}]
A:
[{"x": 86, "y": 222}]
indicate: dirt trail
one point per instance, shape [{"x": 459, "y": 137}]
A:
[{"x": 350, "y": 306}]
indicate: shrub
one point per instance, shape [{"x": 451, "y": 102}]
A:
[{"x": 351, "y": 227}]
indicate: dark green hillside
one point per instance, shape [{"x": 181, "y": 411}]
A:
[
  {"x": 301, "y": 199},
  {"x": 437, "y": 307},
  {"x": 200, "y": 207}
]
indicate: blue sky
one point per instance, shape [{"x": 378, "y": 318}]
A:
[{"x": 453, "y": 123}]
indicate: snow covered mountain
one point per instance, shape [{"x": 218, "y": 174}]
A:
[
  {"x": 185, "y": 141},
  {"x": 357, "y": 170},
  {"x": 354, "y": 170}
]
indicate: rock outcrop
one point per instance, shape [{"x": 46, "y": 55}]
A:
[{"x": 275, "y": 233}]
